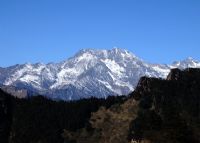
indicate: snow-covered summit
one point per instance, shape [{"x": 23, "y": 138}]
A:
[
  {"x": 89, "y": 73},
  {"x": 188, "y": 62}
]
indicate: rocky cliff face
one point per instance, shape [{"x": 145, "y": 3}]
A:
[{"x": 16, "y": 92}]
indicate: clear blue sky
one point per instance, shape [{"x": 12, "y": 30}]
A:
[{"x": 159, "y": 31}]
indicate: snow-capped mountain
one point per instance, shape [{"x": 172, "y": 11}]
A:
[{"x": 98, "y": 73}]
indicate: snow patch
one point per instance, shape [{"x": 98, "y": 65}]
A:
[{"x": 114, "y": 67}]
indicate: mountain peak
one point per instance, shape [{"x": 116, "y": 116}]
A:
[
  {"x": 189, "y": 59},
  {"x": 116, "y": 53},
  {"x": 116, "y": 49},
  {"x": 123, "y": 52},
  {"x": 186, "y": 63},
  {"x": 91, "y": 72}
]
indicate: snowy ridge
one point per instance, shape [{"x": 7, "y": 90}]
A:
[{"x": 98, "y": 73}]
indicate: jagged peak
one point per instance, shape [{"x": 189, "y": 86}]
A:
[
  {"x": 186, "y": 63},
  {"x": 117, "y": 50},
  {"x": 189, "y": 58},
  {"x": 107, "y": 53}
]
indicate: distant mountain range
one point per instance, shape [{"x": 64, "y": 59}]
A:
[{"x": 90, "y": 72}]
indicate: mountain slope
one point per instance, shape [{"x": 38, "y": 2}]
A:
[{"x": 89, "y": 73}]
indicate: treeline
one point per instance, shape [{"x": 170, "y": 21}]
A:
[
  {"x": 5, "y": 116},
  {"x": 41, "y": 120}
]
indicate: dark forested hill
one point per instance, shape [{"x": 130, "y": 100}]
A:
[
  {"x": 158, "y": 111},
  {"x": 40, "y": 120},
  {"x": 5, "y": 116},
  {"x": 169, "y": 110}
]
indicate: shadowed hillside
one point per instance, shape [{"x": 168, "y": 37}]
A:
[
  {"x": 5, "y": 116},
  {"x": 40, "y": 120},
  {"x": 169, "y": 110},
  {"x": 158, "y": 111}
]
